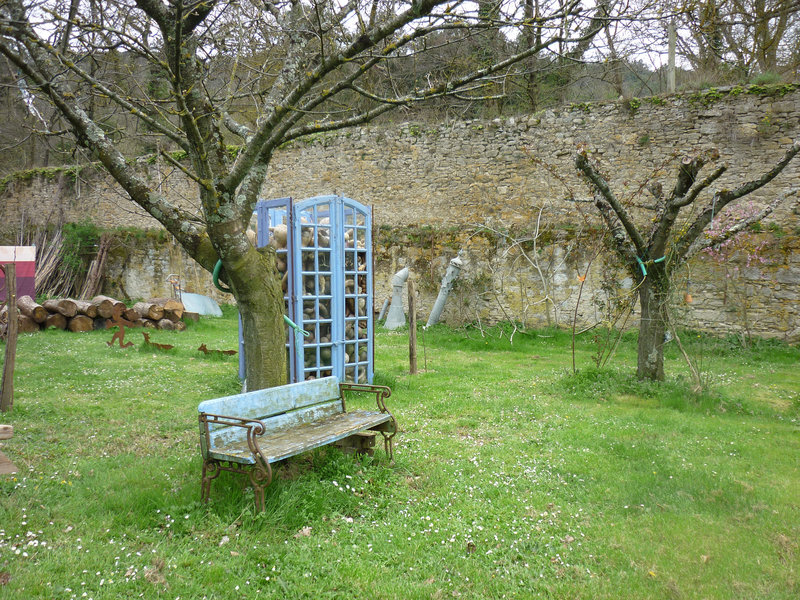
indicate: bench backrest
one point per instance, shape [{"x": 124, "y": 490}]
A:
[{"x": 278, "y": 407}]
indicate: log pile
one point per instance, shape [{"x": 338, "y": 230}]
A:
[{"x": 79, "y": 315}]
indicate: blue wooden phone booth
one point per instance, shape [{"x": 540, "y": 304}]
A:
[{"x": 324, "y": 248}]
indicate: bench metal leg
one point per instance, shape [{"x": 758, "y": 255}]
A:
[
  {"x": 260, "y": 478},
  {"x": 388, "y": 444},
  {"x": 211, "y": 470}
]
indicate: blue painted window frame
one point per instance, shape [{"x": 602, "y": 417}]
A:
[{"x": 350, "y": 358}]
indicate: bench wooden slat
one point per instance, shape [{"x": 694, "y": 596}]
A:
[
  {"x": 262, "y": 404},
  {"x": 223, "y": 435},
  {"x": 303, "y": 437}
]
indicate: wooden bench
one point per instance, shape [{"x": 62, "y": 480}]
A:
[{"x": 246, "y": 433}]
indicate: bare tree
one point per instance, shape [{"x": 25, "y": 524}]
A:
[
  {"x": 744, "y": 37},
  {"x": 651, "y": 257},
  {"x": 263, "y": 73}
]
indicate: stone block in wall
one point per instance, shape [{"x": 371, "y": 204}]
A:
[
  {"x": 789, "y": 293},
  {"x": 788, "y": 275},
  {"x": 751, "y": 273},
  {"x": 783, "y": 106}
]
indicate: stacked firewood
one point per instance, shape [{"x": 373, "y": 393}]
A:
[{"x": 100, "y": 312}]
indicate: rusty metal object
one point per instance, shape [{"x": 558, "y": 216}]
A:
[
  {"x": 259, "y": 473},
  {"x": 381, "y": 392},
  {"x": 154, "y": 344},
  {"x": 206, "y": 350},
  {"x": 117, "y": 320}
]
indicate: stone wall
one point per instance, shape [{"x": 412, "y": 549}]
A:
[{"x": 505, "y": 192}]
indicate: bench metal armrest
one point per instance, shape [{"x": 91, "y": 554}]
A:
[
  {"x": 381, "y": 393},
  {"x": 254, "y": 429}
]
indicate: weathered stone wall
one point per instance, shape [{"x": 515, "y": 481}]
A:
[{"x": 483, "y": 186}]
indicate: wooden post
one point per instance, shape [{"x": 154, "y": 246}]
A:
[
  {"x": 7, "y": 384},
  {"x": 671, "y": 57},
  {"x": 412, "y": 327}
]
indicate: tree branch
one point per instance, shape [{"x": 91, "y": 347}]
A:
[
  {"x": 601, "y": 185},
  {"x": 114, "y": 97},
  {"x": 723, "y": 198},
  {"x": 701, "y": 244},
  {"x": 696, "y": 189},
  {"x": 92, "y": 136}
]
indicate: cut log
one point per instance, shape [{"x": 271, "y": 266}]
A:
[
  {"x": 169, "y": 304},
  {"x": 63, "y": 306},
  {"x": 80, "y": 323},
  {"x": 148, "y": 310},
  {"x": 173, "y": 315},
  {"x": 130, "y": 314},
  {"x": 105, "y": 306},
  {"x": 55, "y": 321},
  {"x": 149, "y": 323},
  {"x": 166, "y": 325},
  {"x": 30, "y": 308},
  {"x": 180, "y": 325},
  {"x": 85, "y": 308},
  {"x": 27, "y": 325},
  {"x": 191, "y": 316},
  {"x": 6, "y": 432}
]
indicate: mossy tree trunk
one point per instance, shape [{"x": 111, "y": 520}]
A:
[
  {"x": 256, "y": 285},
  {"x": 653, "y": 324}
]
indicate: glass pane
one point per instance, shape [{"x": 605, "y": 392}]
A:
[
  {"x": 324, "y": 285},
  {"x": 362, "y": 329}
]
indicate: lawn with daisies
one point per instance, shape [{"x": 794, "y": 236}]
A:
[{"x": 516, "y": 476}]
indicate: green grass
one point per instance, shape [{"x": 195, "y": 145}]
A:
[{"x": 513, "y": 477}]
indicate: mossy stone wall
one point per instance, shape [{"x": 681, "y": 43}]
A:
[{"x": 483, "y": 186}]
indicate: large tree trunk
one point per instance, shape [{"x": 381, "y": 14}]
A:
[
  {"x": 257, "y": 287},
  {"x": 653, "y": 295}
]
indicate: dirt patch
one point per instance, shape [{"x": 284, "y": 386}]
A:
[{"x": 786, "y": 548}]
